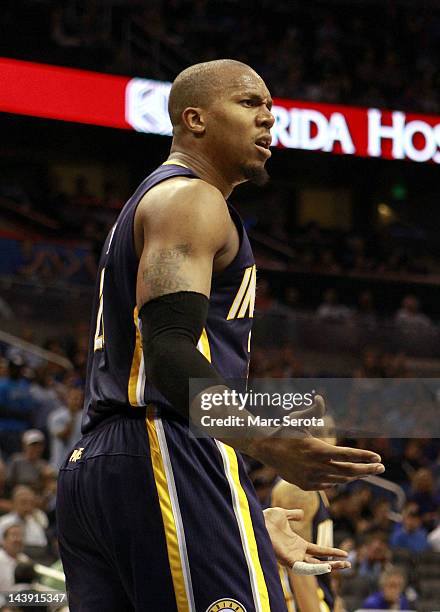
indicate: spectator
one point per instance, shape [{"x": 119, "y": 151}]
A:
[
  {"x": 366, "y": 314},
  {"x": 370, "y": 365},
  {"x": 45, "y": 396},
  {"x": 65, "y": 426},
  {"x": 16, "y": 406},
  {"x": 11, "y": 553},
  {"x": 409, "y": 533},
  {"x": 28, "y": 467},
  {"x": 413, "y": 457},
  {"x": 423, "y": 494},
  {"x": 331, "y": 309},
  {"x": 390, "y": 596},
  {"x": 33, "y": 520},
  {"x": 380, "y": 521},
  {"x": 374, "y": 557},
  {"x": 409, "y": 315}
]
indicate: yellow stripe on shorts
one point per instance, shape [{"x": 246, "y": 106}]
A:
[
  {"x": 244, "y": 520},
  {"x": 175, "y": 540}
]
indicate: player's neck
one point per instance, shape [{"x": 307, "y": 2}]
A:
[{"x": 203, "y": 167}]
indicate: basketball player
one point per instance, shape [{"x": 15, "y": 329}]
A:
[
  {"x": 311, "y": 594},
  {"x": 151, "y": 518}
]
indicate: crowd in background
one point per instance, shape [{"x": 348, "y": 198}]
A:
[
  {"x": 392, "y": 250},
  {"x": 78, "y": 222},
  {"x": 40, "y": 417},
  {"x": 367, "y": 53}
]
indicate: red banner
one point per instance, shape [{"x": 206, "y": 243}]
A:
[
  {"x": 54, "y": 92},
  {"x": 367, "y": 132},
  {"x": 40, "y": 90}
]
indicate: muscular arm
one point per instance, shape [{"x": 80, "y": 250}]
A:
[
  {"x": 181, "y": 226},
  {"x": 182, "y": 235}
]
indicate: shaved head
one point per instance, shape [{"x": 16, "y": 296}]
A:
[
  {"x": 198, "y": 85},
  {"x": 221, "y": 117}
]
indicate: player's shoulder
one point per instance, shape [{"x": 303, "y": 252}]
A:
[
  {"x": 189, "y": 208},
  {"x": 282, "y": 489},
  {"x": 184, "y": 194}
]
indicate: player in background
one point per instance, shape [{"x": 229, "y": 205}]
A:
[{"x": 311, "y": 593}]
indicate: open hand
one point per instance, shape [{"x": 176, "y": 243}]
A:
[
  {"x": 312, "y": 463},
  {"x": 290, "y": 548}
]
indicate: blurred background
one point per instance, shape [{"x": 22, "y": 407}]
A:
[{"x": 345, "y": 234}]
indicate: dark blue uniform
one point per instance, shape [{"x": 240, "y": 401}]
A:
[
  {"x": 151, "y": 518},
  {"x": 322, "y": 534}
]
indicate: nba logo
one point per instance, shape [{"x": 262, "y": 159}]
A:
[{"x": 146, "y": 106}]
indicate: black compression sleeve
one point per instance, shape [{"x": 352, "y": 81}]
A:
[{"x": 171, "y": 327}]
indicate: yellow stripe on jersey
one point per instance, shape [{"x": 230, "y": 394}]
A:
[
  {"x": 287, "y": 591},
  {"x": 169, "y": 522},
  {"x": 248, "y": 303},
  {"x": 244, "y": 520},
  {"x": 135, "y": 364},
  {"x": 240, "y": 294},
  {"x": 174, "y": 163},
  {"x": 203, "y": 345},
  {"x": 244, "y": 301}
]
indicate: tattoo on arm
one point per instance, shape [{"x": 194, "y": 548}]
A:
[{"x": 161, "y": 273}]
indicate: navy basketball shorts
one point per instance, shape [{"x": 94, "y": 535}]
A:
[{"x": 152, "y": 519}]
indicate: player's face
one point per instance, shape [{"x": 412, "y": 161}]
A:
[{"x": 239, "y": 127}]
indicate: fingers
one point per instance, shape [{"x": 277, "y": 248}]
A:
[
  {"x": 354, "y": 455},
  {"x": 335, "y": 565},
  {"x": 357, "y": 469},
  {"x": 295, "y": 515},
  {"x": 325, "y": 551},
  {"x": 327, "y": 482},
  {"x": 302, "y": 568},
  {"x": 338, "y": 565}
]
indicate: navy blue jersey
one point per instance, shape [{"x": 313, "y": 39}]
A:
[
  {"x": 116, "y": 381},
  {"x": 322, "y": 534}
]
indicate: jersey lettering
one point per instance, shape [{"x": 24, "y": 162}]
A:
[{"x": 244, "y": 301}]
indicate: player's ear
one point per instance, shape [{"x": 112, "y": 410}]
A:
[{"x": 194, "y": 120}]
